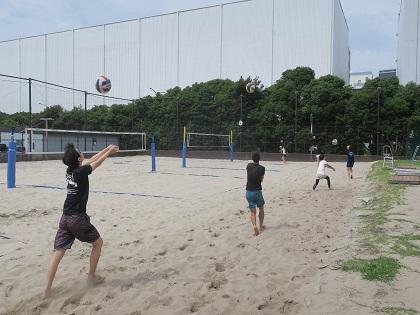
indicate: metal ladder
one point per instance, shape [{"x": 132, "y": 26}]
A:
[{"x": 388, "y": 161}]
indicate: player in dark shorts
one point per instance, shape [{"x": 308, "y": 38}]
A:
[
  {"x": 350, "y": 161},
  {"x": 255, "y": 175},
  {"x": 74, "y": 222}
]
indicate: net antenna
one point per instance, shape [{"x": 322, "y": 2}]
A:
[
  {"x": 416, "y": 150},
  {"x": 53, "y": 141},
  {"x": 208, "y": 140}
]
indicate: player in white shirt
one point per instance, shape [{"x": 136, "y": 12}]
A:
[
  {"x": 320, "y": 173},
  {"x": 283, "y": 152}
]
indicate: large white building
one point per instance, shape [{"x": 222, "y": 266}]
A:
[
  {"x": 408, "y": 56},
  {"x": 246, "y": 38}
]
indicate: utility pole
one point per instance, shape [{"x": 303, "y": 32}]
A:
[
  {"x": 377, "y": 120},
  {"x": 45, "y": 149}
]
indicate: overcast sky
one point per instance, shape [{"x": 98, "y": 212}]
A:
[{"x": 373, "y": 23}]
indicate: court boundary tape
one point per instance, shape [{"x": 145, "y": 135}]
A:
[{"x": 103, "y": 191}]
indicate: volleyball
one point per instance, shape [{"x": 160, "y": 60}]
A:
[
  {"x": 250, "y": 87},
  {"x": 334, "y": 142},
  {"x": 103, "y": 84}
]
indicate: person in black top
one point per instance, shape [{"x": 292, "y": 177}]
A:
[
  {"x": 74, "y": 222},
  {"x": 255, "y": 176},
  {"x": 350, "y": 161}
]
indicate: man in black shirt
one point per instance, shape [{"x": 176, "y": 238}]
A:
[
  {"x": 255, "y": 176},
  {"x": 74, "y": 222}
]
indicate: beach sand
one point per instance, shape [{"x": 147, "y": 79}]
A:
[{"x": 179, "y": 241}]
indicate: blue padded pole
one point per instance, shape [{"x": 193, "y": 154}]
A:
[
  {"x": 184, "y": 149},
  {"x": 184, "y": 155},
  {"x": 11, "y": 165}
]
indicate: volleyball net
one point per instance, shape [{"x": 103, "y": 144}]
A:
[
  {"x": 208, "y": 140},
  {"x": 53, "y": 141}
]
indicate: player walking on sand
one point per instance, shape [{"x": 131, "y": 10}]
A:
[{"x": 255, "y": 175}]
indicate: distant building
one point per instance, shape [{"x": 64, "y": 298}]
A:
[
  {"x": 387, "y": 73},
  {"x": 358, "y": 79}
]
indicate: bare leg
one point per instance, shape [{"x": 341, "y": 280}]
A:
[
  {"x": 261, "y": 218},
  {"x": 254, "y": 221},
  {"x": 316, "y": 184},
  {"x": 328, "y": 181},
  {"x": 351, "y": 172},
  {"x": 52, "y": 270},
  {"x": 94, "y": 258}
]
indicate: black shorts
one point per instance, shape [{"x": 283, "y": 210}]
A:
[{"x": 72, "y": 227}]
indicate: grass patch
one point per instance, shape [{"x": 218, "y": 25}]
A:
[
  {"x": 396, "y": 310},
  {"x": 384, "y": 197},
  {"x": 404, "y": 247},
  {"x": 381, "y": 269},
  {"x": 407, "y": 163}
]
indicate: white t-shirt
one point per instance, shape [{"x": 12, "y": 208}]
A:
[
  {"x": 321, "y": 167},
  {"x": 284, "y": 150}
]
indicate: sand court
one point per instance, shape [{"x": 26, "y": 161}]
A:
[{"x": 178, "y": 241}]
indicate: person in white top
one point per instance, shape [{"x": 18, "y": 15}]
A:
[
  {"x": 283, "y": 152},
  {"x": 320, "y": 173}
]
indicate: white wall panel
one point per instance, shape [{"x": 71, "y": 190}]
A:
[
  {"x": 247, "y": 40},
  {"x": 159, "y": 53},
  {"x": 9, "y": 88},
  {"x": 408, "y": 41},
  {"x": 33, "y": 66},
  {"x": 60, "y": 69},
  {"x": 250, "y": 38},
  {"x": 417, "y": 53},
  {"x": 122, "y": 59},
  {"x": 199, "y": 45},
  {"x": 340, "y": 52},
  {"x": 88, "y": 58},
  {"x": 302, "y": 35}
]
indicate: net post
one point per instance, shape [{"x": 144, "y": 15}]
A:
[
  {"x": 11, "y": 162},
  {"x": 153, "y": 153},
  {"x": 231, "y": 146},
  {"x": 184, "y": 150}
]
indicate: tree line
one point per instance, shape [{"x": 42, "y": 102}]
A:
[{"x": 297, "y": 111}]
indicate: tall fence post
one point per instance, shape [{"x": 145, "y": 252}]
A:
[
  {"x": 30, "y": 113},
  {"x": 85, "y": 117}
]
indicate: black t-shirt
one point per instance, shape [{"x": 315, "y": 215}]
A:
[
  {"x": 77, "y": 190},
  {"x": 350, "y": 156},
  {"x": 255, "y": 173}
]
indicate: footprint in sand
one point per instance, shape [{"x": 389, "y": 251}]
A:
[
  {"x": 162, "y": 252},
  {"x": 217, "y": 283},
  {"x": 40, "y": 307},
  {"x": 190, "y": 240},
  {"x": 220, "y": 267},
  {"x": 108, "y": 297},
  {"x": 71, "y": 302},
  {"x": 183, "y": 247}
]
